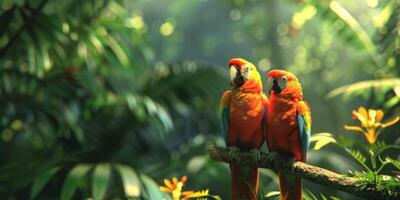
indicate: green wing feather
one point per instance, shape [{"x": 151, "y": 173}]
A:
[
  {"x": 225, "y": 103},
  {"x": 224, "y": 122}
]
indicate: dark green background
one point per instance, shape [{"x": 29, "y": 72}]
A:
[{"x": 98, "y": 84}]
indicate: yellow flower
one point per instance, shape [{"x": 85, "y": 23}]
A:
[
  {"x": 174, "y": 187},
  {"x": 191, "y": 194},
  {"x": 371, "y": 125}
]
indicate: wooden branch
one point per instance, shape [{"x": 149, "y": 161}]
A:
[{"x": 312, "y": 173}]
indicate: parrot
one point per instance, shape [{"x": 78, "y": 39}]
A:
[
  {"x": 243, "y": 112},
  {"x": 289, "y": 126}
]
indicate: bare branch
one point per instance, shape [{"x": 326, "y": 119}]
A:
[{"x": 312, "y": 173}]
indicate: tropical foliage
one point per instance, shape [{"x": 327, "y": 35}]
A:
[
  {"x": 84, "y": 108},
  {"x": 373, "y": 152},
  {"x": 106, "y": 98}
]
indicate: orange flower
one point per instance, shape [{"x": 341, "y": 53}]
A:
[
  {"x": 371, "y": 125},
  {"x": 174, "y": 187}
]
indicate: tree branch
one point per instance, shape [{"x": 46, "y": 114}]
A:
[{"x": 312, "y": 173}]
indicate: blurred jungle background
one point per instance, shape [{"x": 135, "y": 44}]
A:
[{"x": 105, "y": 98}]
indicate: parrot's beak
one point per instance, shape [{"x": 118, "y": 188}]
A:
[
  {"x": 272, "y": 84},
  {"x": 234, "y": 72},
  {"x": 236, "y": 76},
  {"x": 275, "y": 87}
]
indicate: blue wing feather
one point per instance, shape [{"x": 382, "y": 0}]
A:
[{"x": 304, "y": 123}]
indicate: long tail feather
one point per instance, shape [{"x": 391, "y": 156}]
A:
[
  {"x": 290, "y": 187},
  {"x": 244, "y": 182}
]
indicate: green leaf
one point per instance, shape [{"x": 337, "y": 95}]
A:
[
  {"x": 118, "y": 51},
  {"x": 362, "y": 86},
  {"x": 153, "y": 190},
  {"x": 130, "y": 197},
  {"x": 130, "y": 180},
  {"x": 309, "y": 196},
  {"x": 101, "y": 177},
  {"x": 96, "y": 43},
  {"x": 196, "y": 163},
  {"x": 351, "y": 22},
  {"x": 395, "y": 163},
  {"x": 272, "y": 194},
  {"x": 358, "y": 156},
  {"x": 322, "y": 139},
  {"x": 392, "y": 102},
  {"x": 5, "y": 19},
  {"x": 73, "y": 179},
  {"x": 351, "y": 31},
  {"x": 41, "y": 181}
]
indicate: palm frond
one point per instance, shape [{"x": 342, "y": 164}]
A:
[
  {"x": 364, "y": 86},
  {"x": 386, "y": 35},
  {"x": 344, "y": 24}
]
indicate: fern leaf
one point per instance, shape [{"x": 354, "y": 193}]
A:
[{"x": 357, "y": 155}]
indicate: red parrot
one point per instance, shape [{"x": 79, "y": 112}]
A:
[
  {"x": 243, "y": 112},
  {"x": 289, "y": 126}
]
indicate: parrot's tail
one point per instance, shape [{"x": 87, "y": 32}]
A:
[
  {"x": 290, "y": 186},
  {"x": 244, "y": 182}
]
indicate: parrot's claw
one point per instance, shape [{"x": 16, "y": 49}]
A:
[
  {"x": 292, "y": 161},
  {"x": 256, "y": 154},
  {"x": 273, "y": 156},
  {"x": 232, "y": 151}
]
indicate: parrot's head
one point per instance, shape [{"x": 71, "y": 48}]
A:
[
  {"x": 283, "y": 83},
  {"x": 243, "y": 71}
]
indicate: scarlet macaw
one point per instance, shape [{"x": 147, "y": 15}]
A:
[
  {"x": 243, "y": 112},
  {"x": 289, "y": 126}
]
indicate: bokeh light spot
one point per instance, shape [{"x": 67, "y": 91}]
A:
[
  {"x": 283, "y": 29},
  {"x": 3, "y": 40},
  {"x": 136, "y": 22},
  {"x": 264, "y": 64},
  {"x": 235, "y": 14},
  {"x": 74, "y": 36},
  {"x": 238, "y": 2},
  {"x": 299, "y": 18},
  {"x": 372, "y": 3},
  {"x": 284, "y": 42},
  {"x": 16, "y": 125},
  {"x": 167, "y": 29},
  {"x": 65, "y": 27},
  {"x": 7, "y": 134}
]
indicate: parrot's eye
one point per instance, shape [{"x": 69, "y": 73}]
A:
[
  {"x": 246, "y": 71},
  {"x": 284, "y": 78}
]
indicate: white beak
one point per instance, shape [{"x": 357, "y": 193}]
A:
[{"x": 234, "y": 72}]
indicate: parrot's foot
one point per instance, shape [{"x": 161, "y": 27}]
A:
[
  {"x": 274, "y": 157},
  {"x": 256, "y": 154},
  {"x": 232, "y": 151},
  {"x": 280, "y": 161},
  {"x": 292, "y": 161}
]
